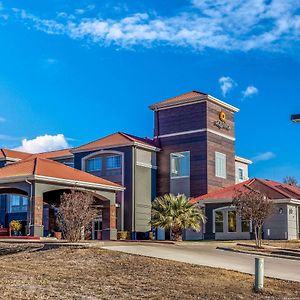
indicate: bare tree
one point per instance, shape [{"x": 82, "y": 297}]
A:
[
  {"x": 291, "y": 180},
  {"x": 75, "y": 213},
  {"x": 256, "y": 207}
]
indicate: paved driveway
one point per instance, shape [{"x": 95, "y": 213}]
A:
[{"x": 206, "y": 254}]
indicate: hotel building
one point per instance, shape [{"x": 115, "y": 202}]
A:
[{"x": 192, "y": 152}]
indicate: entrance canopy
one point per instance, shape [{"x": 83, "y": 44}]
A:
[{"x": 45, "y": 170}]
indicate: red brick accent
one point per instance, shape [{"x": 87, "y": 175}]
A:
[
  {"x": 113, "y": 216},
  {"x": 109, "y": 217},
  {"x": 38, "y": 210}
]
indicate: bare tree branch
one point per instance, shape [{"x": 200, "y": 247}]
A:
[
  {"x": 75, "y": 214},
  {"x": 256, "y": 207}
]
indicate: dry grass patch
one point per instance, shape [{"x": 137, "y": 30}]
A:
[{"x": 72, "y": 273}]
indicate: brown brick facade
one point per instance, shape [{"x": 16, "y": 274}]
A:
[{"x": 174, "y": 124}]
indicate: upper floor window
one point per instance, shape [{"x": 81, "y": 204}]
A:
[
  {"x": 113, "y": 162},
  {"x": 180, "y": 164},
  {"x": 220, "y": 160},
  {"x": 241, "y": 174},
  {"x": 94, "y": 164},
  {"x": 17, "y": 204}
]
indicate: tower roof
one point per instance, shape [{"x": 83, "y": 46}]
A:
[{"x": 190, "y": 98}]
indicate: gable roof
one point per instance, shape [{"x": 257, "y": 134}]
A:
[
  {"x": 55, "y": 154},
  {"x": 14, "y": 155},
  {"x": 189, "y": 98},
  {"x": 116, "y": 139},
  {"x": 272, "y": 189},
  {"x": 8, "y": 154},
  {"x": 49, "y": 170}
]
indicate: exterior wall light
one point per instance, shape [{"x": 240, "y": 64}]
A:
[
  {"x": 280, "y": 210},
  {"x": 295, "y": 118}
]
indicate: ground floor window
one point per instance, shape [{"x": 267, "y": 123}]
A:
[
  {"x": 227, "y": 220},
  {"x": 245, "y": 225},
  {"x": 17, "y": 204},
  {"x": 231, "y": 219},
  {"x": 219, "y": 221}
]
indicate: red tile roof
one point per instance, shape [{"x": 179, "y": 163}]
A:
[
  {"x": 115, "y": 139},
  {"x": 20, "y": 155},
  {"x": 54, "y": 154},
  {"x": 8, "y": 153},
  {"x": 178, "y": 99},
  {"x": 48, "y": 168},
  {"x": 273, "y": 190}
]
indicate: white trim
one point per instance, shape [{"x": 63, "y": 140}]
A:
[
  {"x": 61, "y": 180},
  {"x": 179, "y": 103},
  {"x": 83, "y": 166},
  {"x": 146, "y": 165},
  {"x": 185, "y": 176},
  {"x": 79, "y": 183},
  {"x": 16, "y": 179},
  {"x": 221, "y": 134},
  {"x": 226, "y": 200},
  {"x": 179, "y": 177},
  {"x": 243, "y": 160},
  {"x": 10, "y": 159},
  {"x": 148, "y": 147},
  {"x": 286, "y": 201},
  {"x": 197, "y": 99},
  {"x": 181, "y": 133},
  {"x": 196, "y": 131},
  {"x": 222, "y": 103}
]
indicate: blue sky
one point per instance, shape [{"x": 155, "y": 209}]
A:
[{"x": 73, "y": 71}]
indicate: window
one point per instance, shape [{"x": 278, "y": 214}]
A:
[
  {"x": 245, "y": 225},
  {"x": 113, "y": 162},
  {"x": 231, "y": 221},
  {"x": 17, "y": 204},
  {"x": 219, "y": 221},
  {"x": 94, "y": 164},
  {"x": 220, "y": 160},
  {"x": 180, "y": 164},
  {"x": 241, "y": 174}
]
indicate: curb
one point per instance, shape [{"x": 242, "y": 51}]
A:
[{"x": 258, "y": 253}]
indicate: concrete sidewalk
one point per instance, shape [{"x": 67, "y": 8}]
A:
[{"x": 206, "y": 254}]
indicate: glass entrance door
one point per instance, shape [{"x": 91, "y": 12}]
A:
[{"x": 97, "y": 229}]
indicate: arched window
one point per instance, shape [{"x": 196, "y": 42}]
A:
[{"x": 94, "y": 164}]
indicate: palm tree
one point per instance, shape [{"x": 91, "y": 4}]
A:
[{"x": 176, "y": 213}]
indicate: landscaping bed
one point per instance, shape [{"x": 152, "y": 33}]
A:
[
  {"x": 90, "y": 273},
  {"x": 274, "y": 248}
]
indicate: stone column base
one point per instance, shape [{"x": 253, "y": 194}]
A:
[
  {"x": 35, "y": 230},
  {"x": 109, "y": 234}
]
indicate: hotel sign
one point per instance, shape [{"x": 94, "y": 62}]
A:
[{"x": 221, "y": 123}]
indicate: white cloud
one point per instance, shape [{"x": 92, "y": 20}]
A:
[
  {"x": 51, "y": 61},
  {"x": 226, "y": 84},
  {"x": 250, "y": 91},
  {"x": 218, "y": 24},
  {"x": 79, "y": 11},
  {"x": 44, "y": 143},
  {"x": 264, "y": 156}
]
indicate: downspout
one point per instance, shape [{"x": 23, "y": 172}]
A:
[
  {"x": 30, "y": 206},
  {"x": 133, "y": 192}
]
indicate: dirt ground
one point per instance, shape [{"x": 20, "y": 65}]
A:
[{"x": 28, "y": 272}]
